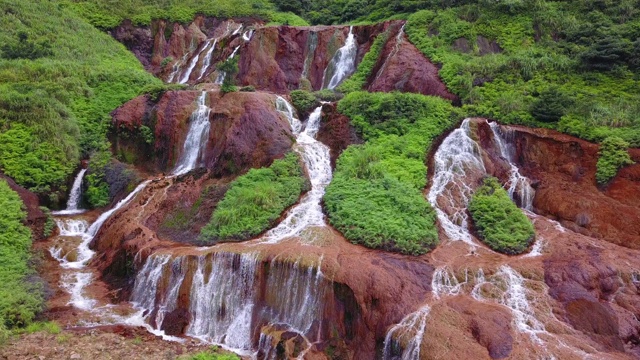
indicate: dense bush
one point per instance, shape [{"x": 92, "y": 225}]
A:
[
  {"x": 20, "y": 299},
  {"x": 230, "y": 68},
  {"x": 303, "y": 101},
  {"x": 498, "y": 221},
  {"x": 613, "y": 155},
  {"x": 25, "y": 49},
  {"x": 550, "y": 106},
  {"x": 375, "y": 197},
  {"x": 256, "y": 200}
]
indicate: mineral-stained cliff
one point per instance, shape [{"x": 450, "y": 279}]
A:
[
  {"x": 277, "y": 58},
  {"x": 246, "y": 131}
]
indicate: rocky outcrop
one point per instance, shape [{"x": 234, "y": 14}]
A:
[
  {"x": 564, "y": 168},
  {"x": 36, "y": 218},
  {"x": 402, "y": 67},
  {"x": 245, "y": 131},
  {"x": 336, "y": 132}
]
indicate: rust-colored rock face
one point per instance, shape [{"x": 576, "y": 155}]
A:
[
  {"x": 565, "y": 169},
  {"x": 402, "y": 67},
  {"x": 245, "y": 131},
  {"x": 336, "y": 132}
]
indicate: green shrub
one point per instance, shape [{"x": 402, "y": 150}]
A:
[
  {"x": 498, "y": 221},
  {"x": 375, "y": 196},
  {"x": 328, "y": 95},
  {"x": 50, "y": 224},
  {"x": 613, "y": 155},
  {"x": 248, "y": 88},
  {"x": 230, "y": 68},
  {"x": 20, "y": 298},
  {"x": 25, "y": 49},
  {"x": 550, "y": 106},
  {"x": 256, "y": 200},
  {"x": 210, "y": 355},
  {"x": 303, "y": 101}
]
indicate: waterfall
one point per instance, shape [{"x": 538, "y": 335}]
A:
[
  {"x": 247, "y": 35},
  {"x": 515, "y": 298},
  {"x": 458, "y": 163},
  {"x": 73, "y": 203},
  {"x": 192, "y": 64},
  {"x": 444, "y": 282},
  {"x": 196, "y": 142},
  {"x": 285, "y": 108},
  {"x": 457, "y": 158},
  {"x": 227, "y": 304},
  {"x": 342, "y": 64},
  {"x": 207, "y": 59},
  {"x": 396, "y": 48},
  {"x": 410, "y": 331},
  {"x": 74, "y": 281},
  {"x": 316, "y": 157},
  {"x": 517, "y": 182}
]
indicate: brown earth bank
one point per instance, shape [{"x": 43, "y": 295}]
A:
[
  {"x": 245, "y": 131},
  {"x": 336, "y": 131},
  {"x": 402, "y": 67},
  {"x": 103, "y": 343}
]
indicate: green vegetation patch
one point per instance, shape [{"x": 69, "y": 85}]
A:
[
  {"x": 613, "y": 155},
  {"x": 568, "y": 65},
  {"x": 21, "y": 297},
  {"x": 375, "y": 198},
  {"x": 498, "y": 221},
  {"x": 358, "y": 80},
  {"x": 104, "y": 15},
  {"x": 256, "y": 200},
  {"x": 59, "y": 80}
]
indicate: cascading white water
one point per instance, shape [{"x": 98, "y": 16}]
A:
[
  {"x": 444, "y": 282},
  {"x": 248, "y": 35},
  {"x": 456, "y": 158},
  {"x": 316, "y": 157},
  {"x": 73, "y": 203},
  {"x": 192, "y": 64},
  {"x": 409, "y": 331},
  {"x": 207, "y": 59},
  {"x": 285, "y": 108},
  {"x": 342, "y": 64},
  {"x": 196, "y": 142},
  {"x": 223, "y": 299},
  {"x": 515, "y": 298},
  {"x": 76, "y": 280},
  {"x": 224, "y": 296},
  {"x": 517, "y": 182}
]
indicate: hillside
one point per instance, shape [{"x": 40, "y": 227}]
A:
[{"x": 394, "y": 176}]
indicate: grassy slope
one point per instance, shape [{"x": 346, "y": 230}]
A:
[
  {"x": 20, "y": 299},
  {"x": 55, "y": 109}
]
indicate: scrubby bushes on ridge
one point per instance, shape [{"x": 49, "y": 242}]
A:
[{"x": 613, "y": 155}]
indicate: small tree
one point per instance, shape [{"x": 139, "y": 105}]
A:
[
  {"x": 550, "y": 106},
  {"x": 230, "y": 69}
]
